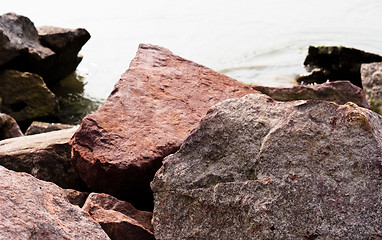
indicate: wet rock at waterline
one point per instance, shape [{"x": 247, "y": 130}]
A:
[
  {"x": 339, "y": 92},
  {"x": 334, "y": 63},
  {"x": 66, "y": 43},
  {"x": 46, "y": 156},
  {"x": 119, "y": 219},
  {"x": 26, "y": 98},
  {"x": 19, "y": 42},
  {"x": 9, "y": 127},
  {"x": 151, "y": 110},
  {"x": 256, "y": 168},
  {"x": 50, "y": 52},
  {"x": 372, "y": 84},
  {"x": 34, "y": 209}
]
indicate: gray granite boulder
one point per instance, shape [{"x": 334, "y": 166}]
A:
[
  {"x": 256, "y": 168},
  {"x": 371, "y": 75}
]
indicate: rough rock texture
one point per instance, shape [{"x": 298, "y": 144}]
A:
[
  {"x": 259, "y": 169},
  {"x": 19, "y": 42},
  {"x": 43, "y": 127},
  {"x": 25, "y": 97},
  {"x": 371, "y": 75},
  {"x": 9, "y": 127},
  {"x": 151, "y": 110},
  {"x": 34, "y": 209},
  {"x": 76, "y": 197},
  {"x": 46, "y": 156},
  {"x": 339, "y": 92},
  {"x": 336, "y": 63},
  {"x": 119, "y": 219},
  {"x": 66, "y": 43}
]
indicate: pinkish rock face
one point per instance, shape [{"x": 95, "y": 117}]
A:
[{"x": 151, "y": 110}]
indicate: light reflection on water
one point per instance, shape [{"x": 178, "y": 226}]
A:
[{"x": 261, "y": 42}]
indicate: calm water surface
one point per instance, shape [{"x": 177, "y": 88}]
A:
[{"x": 260, "y": 42}]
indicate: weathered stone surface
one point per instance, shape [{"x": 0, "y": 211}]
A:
[
  {"x": 66, "y": 43},
  {"x": 371, "y": 75},
  {"x": 336, "y": 63},
  {"x": 76, "y": 197},
  {"x": 256, "y": 168},
  {"x": 26, "y": 97},
  {"x": 119, "y": 219},
  {"x": 34, "y": 209},
  {"x": 46, "y": 156},
  {"x": 43, "y": 127},
  {"x": 19, "y": 43},
  {"x": 9, "y": 127},
  {"x": 155, "y": 104},
  {"x": 339, "y": 92}
]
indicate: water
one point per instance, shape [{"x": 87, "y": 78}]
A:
[{"x": 260, "y": 42}]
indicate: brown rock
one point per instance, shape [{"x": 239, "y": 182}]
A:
[
  {"x": 9, "y": 127},
  {"x": 119, "y": 219},
  {"x": 151, "y": 110},
  {"x": 42, "y": 127},
  {"x": 339, "y": 92},
  {"x": 46, "y": 156},
  {"x": 34, "y": 209},
  {"x": 66, "y": 43},
  {"x": 76, "y": 197},
  {"x": 26, "y": 97}
]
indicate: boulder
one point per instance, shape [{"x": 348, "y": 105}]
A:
[
  {"x": 43, "y": 127},
  {"x": 76, "y": 197},
  {"x": 66, "y": 43},
  {"x": 151, "y": 110},
  {"x": 46, "y": 156},
  {"x": 336, "y": 63},
  {"x": 20, "y": 47},
  {"x": 371, "y": 75},
  {"x": 50, "y": 52},
  {"x": 9, "y": 127},
  {"x": 34, "y": 209},
  {"x": 26, "y": 98},
  {"x": 339, "y": 92},
  {"x": 256, "y": 168},
  {"x": 119, "y": 219}
]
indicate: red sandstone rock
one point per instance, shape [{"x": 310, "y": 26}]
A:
[
  {"x": 119, "y": 219},
  {"x": 151, "y": 110},
  {"x": 339, "y": 92},
  {"x": 9, "y": 127}
]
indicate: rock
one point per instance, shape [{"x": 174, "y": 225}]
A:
[
  {"x": 336, "y": 63},
  {"x": 20, "y": 46},
  {"x": 119, "y": 219},
  {"x": 371, "y": 75},
  {"x": 26, "y": 97},
  {"x": 43, "y": 127},
  {"x": 34, "y": 209},
  {"x": 46, "y": 156},
  {"x": 339, "y": 92},
  {"x": 76, "y": 197},
  {"x": 9, "y": 127},
  {"x": 256, "y": 168},
  {"x": 151, "y": 110},
  {"x": 66, "y": 43}
]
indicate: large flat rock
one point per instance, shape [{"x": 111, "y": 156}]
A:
[
  {"x": 34, "y": 209},
  {"x": 256, "y": 168},
  {"x": 151, "y": 110}
]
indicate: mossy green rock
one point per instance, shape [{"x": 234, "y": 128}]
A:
[{"x": 25, "y": 96}]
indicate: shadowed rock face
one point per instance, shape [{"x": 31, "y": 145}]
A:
[
  {"x": 151, "y": 110},
  {"x": 34, "y": 209},
  {"x": 9, "y": 127},
  {"x": 336, "y": 63},
  {"x": 256, "y": 168},
  {"x": 119, "y": 219}
]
